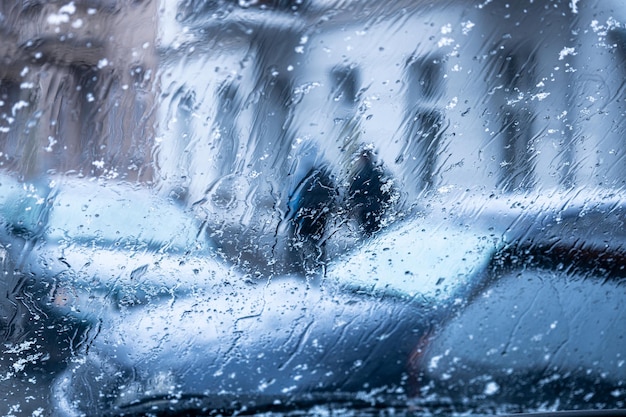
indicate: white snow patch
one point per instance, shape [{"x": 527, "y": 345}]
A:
[
  {"x": 57, "y": 19},
  {"x": 446, "y": 189},
  {"x": 445, "y": 42},
  {"x": 453, "y": 103},
  {"x": 69, "y": 8},
  {"x": 18, "y": 106},
  {"x": 51, "y": 142},
  {"x": 467, "y": 26},
  {"x": 565, "y": 52},
  {"x": 540, "y": 96},
  {"x": 63, "y": 16},
  {"x": 434, "y": 362},
  {"x": 491, "y": 388},
  {"x": 24, "y": 346}
]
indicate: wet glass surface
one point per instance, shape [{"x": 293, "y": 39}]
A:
[{"x": 301, "y": 207}]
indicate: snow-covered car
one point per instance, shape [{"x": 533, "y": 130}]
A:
[{"x": 131, "y": 308}]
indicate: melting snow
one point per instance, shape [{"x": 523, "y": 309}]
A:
[
  {"x": 491, "y": 388},
  {"x": 565, "y": 52}
]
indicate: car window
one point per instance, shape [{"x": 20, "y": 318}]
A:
[{"x": 294, "y": 207}]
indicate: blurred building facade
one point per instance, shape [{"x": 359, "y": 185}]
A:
[
  {"x": 77, "y": 87},
  {"x": 217, "y": 96},
  {"x": 486, "y": 95}
]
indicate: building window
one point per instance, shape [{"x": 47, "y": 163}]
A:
[
  {"x": 423, "y": 120},
  {"x": 516, "y": 122}
]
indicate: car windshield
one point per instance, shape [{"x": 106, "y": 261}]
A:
[{"x": 312, "y": 207}]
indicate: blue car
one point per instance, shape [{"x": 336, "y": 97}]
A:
[{"x": 140, "y": 312}]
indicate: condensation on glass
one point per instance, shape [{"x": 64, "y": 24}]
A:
[{"x": 311, "y": 206}]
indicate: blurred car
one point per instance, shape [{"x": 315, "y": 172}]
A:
[{"x": 147, "y": 315}]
